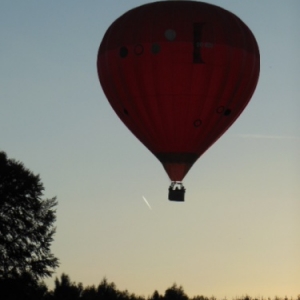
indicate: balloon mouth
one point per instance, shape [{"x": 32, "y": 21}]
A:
[
  {"x": 176, "y": 164},
  {"x": 176, "y": 191}
]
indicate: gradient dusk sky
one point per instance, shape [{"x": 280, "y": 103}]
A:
[{"x": 238, "y": 231}]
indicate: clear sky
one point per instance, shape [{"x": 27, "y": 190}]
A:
[{"x": 238, "y": 231}]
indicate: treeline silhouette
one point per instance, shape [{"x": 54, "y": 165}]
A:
[{"x": 26, "y": 287}]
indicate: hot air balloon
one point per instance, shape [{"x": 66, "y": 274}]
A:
[{"x": 178, "y": 74}]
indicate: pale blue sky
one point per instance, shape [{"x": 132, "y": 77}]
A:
[{"x": 238, "y": 231}]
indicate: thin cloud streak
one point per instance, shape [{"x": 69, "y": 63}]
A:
[
  {"x": 270, "y": 137},
  {"x": 147, "y": 203}
]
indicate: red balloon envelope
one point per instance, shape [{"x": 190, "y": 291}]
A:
[{"x": 178, "y": 74}]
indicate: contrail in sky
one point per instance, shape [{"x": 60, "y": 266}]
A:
[
  {"x": 272, "y": 137},
  {"x": 147, "y": 203}
]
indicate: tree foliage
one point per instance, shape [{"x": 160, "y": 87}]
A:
[
  {"x": 23, "y": 287},
  {"x": 28, "y": 288},
  {"x": 26, "y": 223},
  {"x": 175, "y": 293},
  {"x": 67, "y": 290}
]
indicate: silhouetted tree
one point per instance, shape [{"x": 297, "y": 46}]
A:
[
  {"x": 23, "y": 287},
  {"x": 201, "y": 298},
  {"x": 89, "y": 293},
  {"x": 107, "y": 291},
  {"x": 175, "y": 293},
  {"x": 66, "y": 290},
  {"x": 26, "y": 223},
  {"x": 156, "y": 296}
]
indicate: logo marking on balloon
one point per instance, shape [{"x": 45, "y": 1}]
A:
[
  {"x": 197, "y": 33},
  {"x": 138, "y": 49},
  {"x": 170, "y": 34},
  {"x": 155, "y": 48},
  {"x": 123, "y": 52},
  {"x": 220, "y": 109},
  {"x": 227, "y": 112},
  {"x": 197, "y": 123}
]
